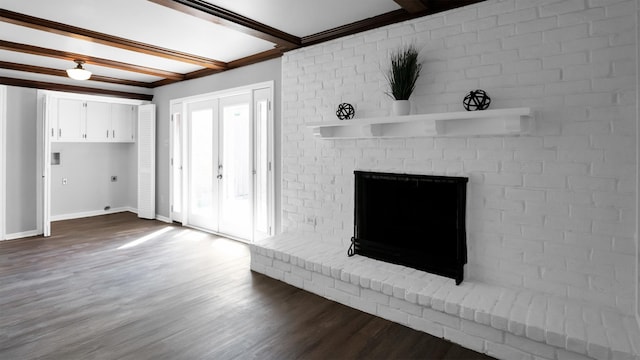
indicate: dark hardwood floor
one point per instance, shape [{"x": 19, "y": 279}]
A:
[{"x": 84, "y": 293}]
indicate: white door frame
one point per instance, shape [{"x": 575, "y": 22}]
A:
[
  {"x": 44, "y": 164},
  {"x": 177, "y": 112},
  {"x": 181, "y": 103},
  {"x": 3, "y": 160}
]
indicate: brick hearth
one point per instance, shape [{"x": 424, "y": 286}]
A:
[{"x": 501, "y": 322}]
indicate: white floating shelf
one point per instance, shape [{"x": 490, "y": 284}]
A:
[{"x": 514, "y": 121}]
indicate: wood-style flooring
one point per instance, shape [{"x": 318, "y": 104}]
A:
[{"x": 117, "y": 287}]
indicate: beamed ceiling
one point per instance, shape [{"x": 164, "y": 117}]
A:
[{"x": 133, "y": 46}]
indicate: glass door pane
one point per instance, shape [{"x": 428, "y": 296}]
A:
[
  {"x": 236, "y": 184},
  {"x": 203, "y": 194}
]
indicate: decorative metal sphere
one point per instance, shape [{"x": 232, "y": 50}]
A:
[
  {"x": 345, "y": 111},
  {"x": 476, "y": 100}
]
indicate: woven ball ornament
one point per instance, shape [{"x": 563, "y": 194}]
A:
[
  {"x": 476, "y": 100},
  {"x": 345, "y": 111}
]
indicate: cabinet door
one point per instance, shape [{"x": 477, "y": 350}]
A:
[
  {"x": 70, "y": 116},
  {"x": 122, "y": 120},
  {"x": 98, "y": 121}
]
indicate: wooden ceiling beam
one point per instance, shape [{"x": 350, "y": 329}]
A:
[
  {"x": 63, "y": 73},
  {"x": 72, "y": 88},
  {"x": 392, "y": 17},
  {"x": 252, "y": 59},
  {"x": 202, "y": 9},
  {"x": 36, "y": 50},
  {"x": 217, "y": 15},
  {"x": 105, "y": 39},
  {"x": 256, "y": 58},
  {"x": 412, "y": 6}
]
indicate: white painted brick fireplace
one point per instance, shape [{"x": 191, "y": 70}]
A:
[{"x": 551, "y": 213}]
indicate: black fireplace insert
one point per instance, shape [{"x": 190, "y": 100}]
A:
[{"x": 412, "y": 220}]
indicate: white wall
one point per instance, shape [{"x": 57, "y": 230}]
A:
[
  {"x": 261, "y": 72},
  {"x": 21, "y": 160},
  {"x": 552, "y": 212},
  {"x": 88, "y": 168}
]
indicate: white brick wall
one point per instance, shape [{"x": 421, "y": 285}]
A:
[{"x": 554, "y": 211}]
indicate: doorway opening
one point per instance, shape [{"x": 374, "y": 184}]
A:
[{"x": 222, "y": 176}]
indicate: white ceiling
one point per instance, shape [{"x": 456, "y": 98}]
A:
[
  {"x": 146, "y": 22},
  {"x": 307, "y": 17},
  {"x": 167, "y": 25}
]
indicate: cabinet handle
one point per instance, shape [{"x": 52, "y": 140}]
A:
[
  {"x": 107, "y": 134},
  {"x": 59, "y": 132},
  {"x": 52, "y": 132},
  {"x": 113, "y": 134}
]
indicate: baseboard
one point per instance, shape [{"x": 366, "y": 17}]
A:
[
  {"x": 23, "y": 234},
  {"x": 91, "y": 213},
  {"x": 163, "y": 219}
]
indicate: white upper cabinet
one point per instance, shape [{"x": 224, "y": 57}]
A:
[
  {"x": 98, "y": 121},
  {"x": 123, "y": 118},
  {"x": 77, "y": 120},
  {"x": 70, "y": 121}
]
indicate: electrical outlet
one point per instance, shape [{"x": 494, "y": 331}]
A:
[
  {"x": 64, "y": 181},
  {"x": 310, "y": 220},
  {"x": 114, "y": 178}
]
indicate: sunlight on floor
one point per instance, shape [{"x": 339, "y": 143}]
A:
[
  {"x": 229, "y": 247},
  {"x": 145, "y": 238}
]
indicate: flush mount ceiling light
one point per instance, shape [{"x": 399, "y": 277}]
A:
[{"x": 78, "y": 72}]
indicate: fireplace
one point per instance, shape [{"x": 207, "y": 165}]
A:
[{"x": 412, "y": 220}]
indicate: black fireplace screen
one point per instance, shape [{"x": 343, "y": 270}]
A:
[{"x": 412, "y": 220}]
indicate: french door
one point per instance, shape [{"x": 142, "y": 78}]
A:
[
  {"x": 203, "y": 125},
  {"x": 228, "y": 175},
  {"x": 235, "y": 167}
]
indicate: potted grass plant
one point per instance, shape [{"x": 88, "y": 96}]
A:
[{"x": 402, "y": 76}]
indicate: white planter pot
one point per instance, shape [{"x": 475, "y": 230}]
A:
[{"x": 400, "y": 107}]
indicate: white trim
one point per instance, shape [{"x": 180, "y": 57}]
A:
[
  {"x": 172, "y": 160},
  {"x": 44, "y": 208},
  {"x": 107, "y": 99},
  {"x": 21, "y": 235},
  {"x": 41, "y": 100},
  {"x": 223, "y": 93},
  {"x": 163, "y": 219},
  {"x": 3, "y": 161},
  {"x": 85, "y": 214},
  {"x": 272, "y": 159}
]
